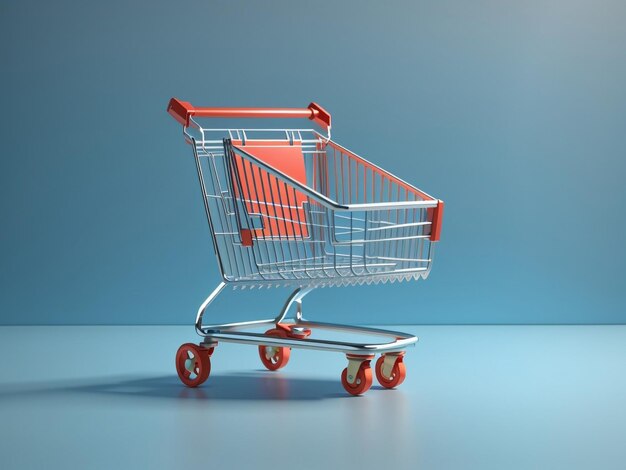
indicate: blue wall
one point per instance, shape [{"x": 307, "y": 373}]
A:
[{"x": 514, "y": 113}]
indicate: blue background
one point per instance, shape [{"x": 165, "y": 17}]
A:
[{"x": 512, "y": 112}]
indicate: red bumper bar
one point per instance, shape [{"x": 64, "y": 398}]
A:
[{"x": 182, "y": 111}]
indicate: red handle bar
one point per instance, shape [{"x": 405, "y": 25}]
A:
[{"x": 182, "y": 111}]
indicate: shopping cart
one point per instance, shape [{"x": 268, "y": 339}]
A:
[{"x": 290, "y": 207}]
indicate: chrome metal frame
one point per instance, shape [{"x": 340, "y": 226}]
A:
[
  {"x": 230, "y": 332},
  {"x": 410, "y": 232}
]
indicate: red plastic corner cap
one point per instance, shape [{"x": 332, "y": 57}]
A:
[
  {"x": 180, "y": 110},
  {"x": 320, "y": 115},
  {"x": 437, "y": 217},
  {"x": 246, "y": 237}
]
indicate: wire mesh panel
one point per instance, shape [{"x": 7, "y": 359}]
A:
[{"x": 303, "y": 210}]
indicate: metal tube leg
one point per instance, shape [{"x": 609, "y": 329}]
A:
[
  {"x": 205, "y": 304},
  {"x": 296, "y": 296}
]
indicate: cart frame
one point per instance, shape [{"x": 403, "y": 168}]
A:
[{"x": 293, "y": 332}]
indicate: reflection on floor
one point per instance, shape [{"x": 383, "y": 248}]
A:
[{"x": 475, "y": 397}]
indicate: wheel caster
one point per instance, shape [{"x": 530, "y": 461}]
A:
[
  {"x": 193, "y": 364},
  {"x": 274, "y": 357},
  {"x": 357, "y": 377},
  {"x": 390, "y": 370}
]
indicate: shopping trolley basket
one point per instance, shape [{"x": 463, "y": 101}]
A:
[{"x": 290, "y": 207}]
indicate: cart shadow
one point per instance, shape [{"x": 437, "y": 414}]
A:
[
  {"x": 226, "y": 387},
  {"x": 241, "y": 386}
]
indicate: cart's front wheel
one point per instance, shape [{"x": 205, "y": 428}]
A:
[
  {"x": 393, "y": 377},
  {"x": 193, "y": 364},
  {"x": 274, "y": 357},
  {"x": 362, "y": 382}
]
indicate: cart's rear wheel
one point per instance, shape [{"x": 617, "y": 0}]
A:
[
  {"x": 193, "y": 364},
  {"x": 362, "y": 382},
  {"x": 398, "y": 373},
  {"x": 274, "y": 357}
]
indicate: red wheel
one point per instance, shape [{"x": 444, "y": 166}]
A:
[
  {"x": 363, "y": 380},
  {"x": 274, "y": 357},
  {"x": 193, "y": 364},
  {"x": 398, "y": 373}
]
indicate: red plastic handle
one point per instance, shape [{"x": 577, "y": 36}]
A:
[{"x": 182, "y": 111}]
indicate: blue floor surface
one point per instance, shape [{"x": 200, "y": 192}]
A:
[{"x": 475, "y": 397}]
